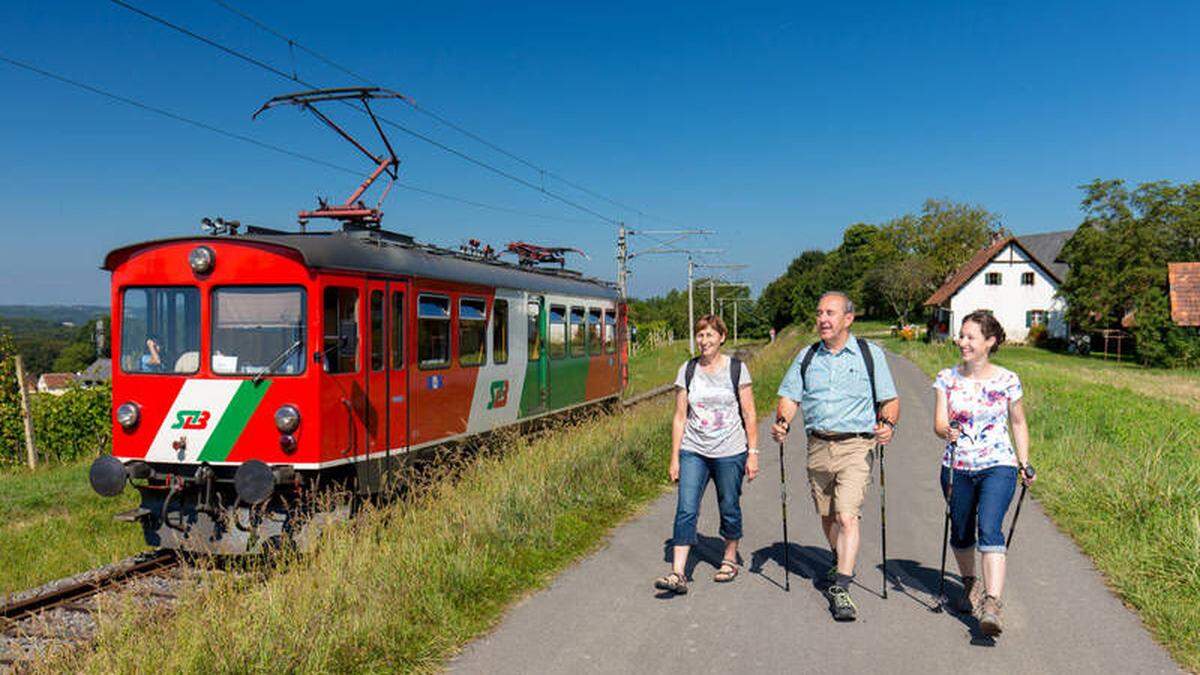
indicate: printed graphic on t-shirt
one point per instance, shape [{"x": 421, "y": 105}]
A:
[{"x": 981, "y": 409}]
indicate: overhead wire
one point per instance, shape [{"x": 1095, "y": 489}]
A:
[
  {"x": 411, "y": 132},
  {"x": 262, "y": 144},
  {"x": 440, "y": 118}
]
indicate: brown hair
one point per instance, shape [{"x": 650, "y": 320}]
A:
[
  {"x": 712, "y": 321},
  {"x": 988, "y": 325}
]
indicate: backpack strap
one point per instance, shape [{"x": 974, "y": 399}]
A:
[
  {"x": 808, "y": 357},
  {"x": 735, "y": 377},
  {"x": 689, "y": 372},
  {"x": 864, "y": 348}
]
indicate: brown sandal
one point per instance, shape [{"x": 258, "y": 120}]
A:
[
  {"x": 727, "y": 572},
  {"x": 673, "y": 582}
]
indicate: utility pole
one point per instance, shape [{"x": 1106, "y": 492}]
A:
[
  {"x": 712, "y": 294},
  {"x": 691, "y": 311}
]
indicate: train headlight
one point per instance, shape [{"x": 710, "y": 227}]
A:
[
  {"x": 287, "y": 419},
  {"x": 201, "y": 259},
  {"x": 128, "y": 415}
]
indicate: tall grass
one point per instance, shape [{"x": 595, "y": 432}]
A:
[
  {"x": 1119, "y": 470},
  {"x": 403, "y": 586}
]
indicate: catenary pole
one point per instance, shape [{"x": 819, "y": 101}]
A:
[{"x": 691, "y": 311}]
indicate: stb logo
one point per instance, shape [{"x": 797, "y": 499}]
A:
[
  {"x": 499, "y": 395},
  {"x": 191, "y": 419}
]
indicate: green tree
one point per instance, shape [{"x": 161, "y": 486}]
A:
[
  {"x": 1118, "y": 264},
  {"x": 11, "y": 433},
  {"x": 75, "y": 357}
]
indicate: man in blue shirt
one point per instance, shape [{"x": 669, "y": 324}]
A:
[{"x": 843, "y": 424}]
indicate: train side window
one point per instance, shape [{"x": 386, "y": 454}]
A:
[
  {"x": 533, "y": 341},
  {"x": 610, "y": 331},
  {"x": 433, "y": 331},
  {"x": 500, "y": 331},
  {"x": 577, "y": 337},
  {"x": 595, "y": 335},
  {"x": 397, "y": 330},
  {"x": 378, "y": 347},
  {"x": 558, "y": 331},
  {"x": 472, "y": 331},
  {"x": 341, "y": 330}
]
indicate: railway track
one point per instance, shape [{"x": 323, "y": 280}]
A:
[{"x": 66, "y": 592}]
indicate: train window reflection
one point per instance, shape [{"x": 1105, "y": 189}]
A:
[
  {"x": 160, "y": 330},
  {"x": 594, "y": 329},
  {"x": 340, "y": 345},
  {"x": 578, "y": 344},
  {"x": 610, "y": 331},
  {"x": 558, "y": 331},
  {"x": 500, "y": 331},
  {"x": 472, "y": 331},
  {"x": 433, "y": 331},
  {"x": 533, "y": 342},
  {"x": 258, "y": 330}
]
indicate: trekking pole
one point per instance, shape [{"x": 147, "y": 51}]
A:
[
  {"x": 787, "y": 582},
  {"x": 946, "y": 523},
  {"x": 883, "y": 517},
  {"x": 1029, "y": 473}
]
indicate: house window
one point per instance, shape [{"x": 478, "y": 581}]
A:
[
  {"x": 1035, "y": 317},
  {"x": 992, "y": 279},
  {"x": 472, "y": 331},
  {"x": 500, "y": 331},
  {"x": 1027, "y": 278}
]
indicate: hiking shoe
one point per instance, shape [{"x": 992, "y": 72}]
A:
[
  {"x": 841, "y": 604},
  {"x": 967, "y": 601},
  {"x": 990, "y": 612}
]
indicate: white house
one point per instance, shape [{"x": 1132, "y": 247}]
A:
[{"x": 1016, "y": 279}]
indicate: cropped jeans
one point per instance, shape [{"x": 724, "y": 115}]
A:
[
  {"x": 979, "y": 501},
  {"x": 695, "y": 470}
]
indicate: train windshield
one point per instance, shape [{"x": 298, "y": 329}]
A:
[
  {"x": 258, "y": 330},
  {"x": 160, "y": 330}
]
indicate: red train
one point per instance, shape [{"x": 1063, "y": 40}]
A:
[{"x": 249, "y": 369}]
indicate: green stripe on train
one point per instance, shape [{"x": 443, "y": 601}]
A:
[{"x": 233, "y": 422}]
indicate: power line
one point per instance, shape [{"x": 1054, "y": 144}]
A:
[
  {"x": 415, "y": 134},
  {"x": 442, "y": 119},
  {"x": 267, "y": 146}
]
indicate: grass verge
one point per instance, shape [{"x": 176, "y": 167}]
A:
[
  {"x": 53, "y": 525},
  {"x": 1118, "y": 455},
  {"x": 653, "y": 367},
  {"x": 404, "y": 586}
]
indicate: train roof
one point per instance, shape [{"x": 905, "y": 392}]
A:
[{"x": 390, "y": 253}]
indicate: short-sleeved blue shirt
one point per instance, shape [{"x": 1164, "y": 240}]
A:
[{"x": 838, "y": 395}]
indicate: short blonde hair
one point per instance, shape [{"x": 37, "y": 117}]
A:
[{"x": 712, "y": 321}]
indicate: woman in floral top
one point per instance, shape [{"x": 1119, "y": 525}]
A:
[{"x": 983, "y": 399}]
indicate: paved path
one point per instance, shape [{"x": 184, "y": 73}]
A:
[{"x": 602, "y": 615}]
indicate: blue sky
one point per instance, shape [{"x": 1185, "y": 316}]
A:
[{"x": 775, "y": 125}]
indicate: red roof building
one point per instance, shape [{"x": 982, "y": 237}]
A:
[{"x": 1184, "y": 278}]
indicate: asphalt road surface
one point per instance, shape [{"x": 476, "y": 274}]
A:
[{"x": 603, "y": 614}]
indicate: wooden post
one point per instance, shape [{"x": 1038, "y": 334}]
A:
[{"x": 26, "y": 417}]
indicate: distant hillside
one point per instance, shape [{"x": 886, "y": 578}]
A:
[{"x": 76, "y": 314}]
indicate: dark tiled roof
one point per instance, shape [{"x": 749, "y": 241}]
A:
[
  {"x": 99, "y": 371},
  {"x": 1185, "y": 293},
  {"x": 1046, "y": 248}
]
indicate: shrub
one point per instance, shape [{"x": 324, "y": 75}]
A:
[
  {"x": 73, "y": 425},
  {"x": 1037, "y": 335}
]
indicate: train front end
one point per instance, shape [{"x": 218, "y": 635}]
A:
[{"x": 214, "y": 394}]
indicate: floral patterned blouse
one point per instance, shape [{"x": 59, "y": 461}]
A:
[{"x": 981, "y": 407}]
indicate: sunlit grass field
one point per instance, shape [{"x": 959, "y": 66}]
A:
[
  {"x": 53, "y": 525},
  {"x": 402, "y": 587},
  {"x": 652, "y": 367},
  {"x": 1117, "y": 449}
]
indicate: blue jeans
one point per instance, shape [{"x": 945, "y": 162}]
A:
[
  {"x": 979, "y": 500},
  {"x": 694, "y": 472}
]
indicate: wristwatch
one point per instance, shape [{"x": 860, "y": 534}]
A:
[{"x": 753, "y": 451}]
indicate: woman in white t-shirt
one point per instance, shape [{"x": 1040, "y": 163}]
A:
[
  {"x": 983, "y": 399},
  {"x": 714, "y": 436}
]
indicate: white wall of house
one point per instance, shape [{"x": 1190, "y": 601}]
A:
[{"x": 1010, "y": 300}]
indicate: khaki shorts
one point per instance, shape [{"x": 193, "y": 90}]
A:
[{"x": 839, "y": 472}]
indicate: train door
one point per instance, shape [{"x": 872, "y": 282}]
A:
[
  {"x": 376, "y": 377},
  {"x": 535, "y": 397},
  {"x": 344, "y": 406},
  {"x": 397, "y": 398}
]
